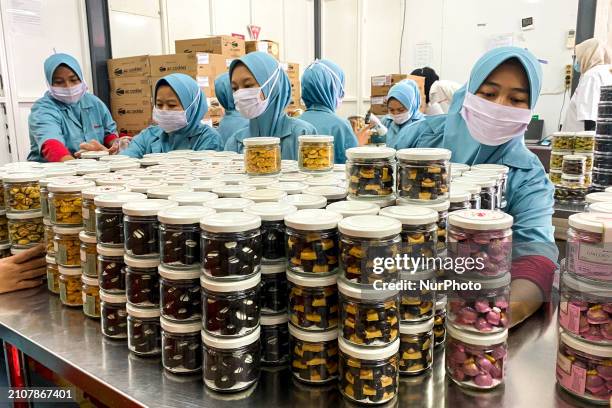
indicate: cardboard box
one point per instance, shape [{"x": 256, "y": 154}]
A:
[
  {"x": 131, "y": 110},
  {"x": 207, "y": 84},
  {"x": 130, "y": 87},
  {"x": 131, "y": 126},
  {"x": 292, "y": 69},
  {"x": 270, "y": 47},
  {"x": 222, "y": 44},
  {"x": 378, "y": 105},
  {"x": 381, "y": 84},
  {"x": 194, "y": 64},
  {"x": 128, "y": 67}
]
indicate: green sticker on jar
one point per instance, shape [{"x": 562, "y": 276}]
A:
[
  {"x": 63, "y": 294},
  {"x": 89, "y": 306}
]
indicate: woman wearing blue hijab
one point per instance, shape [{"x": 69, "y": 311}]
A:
[
  {"x": 67, "y": 115},
  {"x": 232, "y": 120},
  {"x": 261, "y": 94},
  {"x": 485, "y": 124},
  {"x": 322, "y": 92},
  {"x": 403, "y": 103},
  {"x": 179, "y": 108}
]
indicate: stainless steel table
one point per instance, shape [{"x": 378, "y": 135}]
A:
[{"x": 71, "y": 345}]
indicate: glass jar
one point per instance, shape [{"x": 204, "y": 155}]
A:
[
  {"x": 25, "y": 229},
  {"x": 423, "y": 174},
  {"x": 584, "y": 142},
  {"x": 570, "y": 194},
  {"x": 602, "y": 160},
  {"x": 181, "y": 347},
  {"x": 142, "y": 282},
  {"x": 312, "y": 241},
  {"x": 22, "y": 192},
  {"x": 52, "y": 275},
  {"x": 69, "y": 283},
  {"x": 368, "y": 376},
  {"x": 588, "y": 161},
  {"x": 364, "y": 241},
  {"x": 484, "y": 235},
  {"x": 222, "y": 205},
  {"x": 350, "y": 208},
  {"x": 416, "y": 347},
  {"x": 48, "y": 227},
  {"x": 571, "y": 181},
  {"x": 141, "y": 227},
  {"x": 90, "y": 291},
  {"x": 231, "y": 245},
  {"x": 232, "y": 190},
  {"x": 459, "y": 200},
  {"x": 313, "y": 302},
  {"x": 230, "y": 308},
  {"x": 484, "y": 310},
  {"x": 264, "y": 195},
  {"x": 274, "y": 339},
  {"x": 109, "y": 217},
  {"x": 583, "y": 369},
  {"x": 439, "y": 328},
  {"x": 180, "y": 294},
  {"x": 368, "y": 317},
  {"x": 458, "y": 168},
  {"x": 574, "y": 165},
  {"x": 88, "y": 210},
  {"x": 442, "y": 210},
  {"x": 563, "y": 140},
  {"x": 111, "y": 271},
  {"x": 488, "y": 190},
  {"x": 273, "y": 290},
  {"x": 316, "y": 154},
  {"x": 230, "y": 365},
  {"x": 418, "y": 296},
  {"x": 113, "y": 315},
  {"x": 555, "y": 177},
  {"x": 314, "y": 356},
  {"x": 499, "y": 169},
  {"x": 556, "y": 158},
  {"x": 419, "y": 230},
  {"x": 89, "y": 255},
  {"x": 476, "y": 360},
  {"x": 5, "y": 250},
  {"x": 305, "y": 201},
  {"x": 262, "y": 155},
  {"x": 472, "y": 189},
  {"x": 4, "y": 233},
  {"x": 65, "y": 201},
  {"x": 67, "y": 245},
  {"x": 496, "y": 176},
  {"x": 370, "y": 171},
  {"x": 589, "y": 254},
  {"x": 272, "y": 229},
  {"x": 144, "y": 330},
  {"x": 602, "y": 177}
]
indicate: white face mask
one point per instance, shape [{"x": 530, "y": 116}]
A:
[
  {"x": 250, "y": 102},
  {"x": 172, "y": 120},
  {"x": 401, "y": 118},
  {"x": 69, "y": 95}
]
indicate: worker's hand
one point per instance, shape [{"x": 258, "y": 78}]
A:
[
  {"x": 94, "y": 145},
  {"x": 364, "y": 134},
  {"x": 24, "y": 270},
  {"x": 66, "y": 158},
  {"x": 525, "y": 300}
]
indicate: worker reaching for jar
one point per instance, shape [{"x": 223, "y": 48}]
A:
[
  {"x": 67, "y": 115},
  {"x": 232, "y": 120},
  {"x": 24, "y": 270},
  {"x": 485, "y": 124},
  {"x": 261, "y": 94}
]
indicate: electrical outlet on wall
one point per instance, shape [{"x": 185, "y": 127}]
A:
[{"x": 568, "y": 76}]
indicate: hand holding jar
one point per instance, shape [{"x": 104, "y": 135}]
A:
[{"x": 23, "y": 271}]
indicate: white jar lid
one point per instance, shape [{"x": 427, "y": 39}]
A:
[
  {"x": 146, "y": 263},
  {"x": 60, "y": 179},
  {"x": 481, "y": 180},
  {"x": 230, "y": 222},
  {"x": 225, "y": 286},
  {"x": 67, "y": 230},
  {"x": 329, "y": 192},
  {"x": 424, "y": 153},
  {"x": 370, "y": 152},
  {"x": 230, "y": 343},
  {"x": 349, "y": 208},
  {"x": 305, "y": 201},
  {"x": 585, "y": 347},
  {"x": 229, "y": 204},
  {"x": 461, "y": 167},
  {"x": 206, "y": 173},
  {"x": 140, "y": 185},
  {"x": 183, "y": 215},
  {"x": 116, "y": 200},
  {"x": 261, "y": 182},
  {"x": 369, "y": 353},
  {"x": 290, "y": 187},
  {"x": 312, "y": 336},
  {"x": 340, "y": 167},
  {"x": 417, "y": 328},
  {"x": 50, "y": 259},
  {"x": 381, "y": 202},
  {"x": 561, "y": 152},
  {"x": 62, "y": 171},
  {"x": 608, "y": 190},
  {"x": 591, "y": 287},
  {"x": 142, "y": 312},
  {"x": 22, "y": 177},
  {"x": 288, "y": 177},
  {"x": 585, "y": 133},
  {"x": 315, "y": 139},
  {"x": 90, "y": 281},
  {"x": 592, "y": 222},
  {"x": 600, "y": 197},
  {"x": 167, "y": 191},
  {"x": 91, "y": 193},
  {"x": 458, "y": 195},
  {"x": 273, "y": 320},
  {"x": 411, "y": 214},
  {"x": 97, "y": 168},
  {"x": 369, "y": 226},
  {"x": 206, "y": 185},
  {"x": 312, "y": 282},
  {"x": 73, "y": 271},
  {"x": 356, "y": 292},
  {"x": 193, "y": 197},
  {"x": 438, "y": 207},
  {"x": 94, "y": 154},
  {"x": 269, "y": 211},
  {"x": 180, "y": 328},
  {"x": 499, "y": 168},
  {"x": 123, "y": 165},
  {"x": 601, "y": 207},
  {"x": 482, "y": 220},
  {"x": 313, "y": 220},
  {"x": 109, "y": 251},
  {"x": 116, "y": 157},
  {"x": 326, "y": 180},
  {"x": 24, "y": 215},
  {"x": 477, "y": 339},
  {"x": 574, "y": 157},
  {"x": 175, "y": 274},
  {"x": 113, "y": 180},
  {"x": 259, "y": 141},
  {"x": 179, "y": 180},
  {"x": 233, "y": 178},
  {"x": 469, "y": 187},
  {"x": 273, "y": 269},
  {"x": 146, "y": 208},
  {"x": 264, "y": 195},
  {"x": 232, "y": 190}
]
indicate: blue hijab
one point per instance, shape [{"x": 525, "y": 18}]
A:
[
  {"x": 323, "y": 84},
  {"x": 407, "y": 93},
  {"x": 232, "y": 120},
  {"x": 223, "y": 90},
  {"x": 56, "y": 60}
]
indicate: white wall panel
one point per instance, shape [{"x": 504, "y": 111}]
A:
[
  {"x": 299, "y": 32},
  {"x": 231, "y": 16},
  {"x": 187, "y": 19},
  {"x": 133, "y": 34},
  {"x": 268, "y": 14}
]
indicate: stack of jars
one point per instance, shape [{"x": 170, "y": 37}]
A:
[
  {"x": 585, "y": 343},
  {"x": 496, "y": 172},
  {"x": 5, "y": 244},
  {"x": 477, "y": 320},
  {"x": 231, "y": 248},
  {"x": 571, "y": 165},
  {"x": 602, "y": 160},
  {"x": 370, "y": 175}
]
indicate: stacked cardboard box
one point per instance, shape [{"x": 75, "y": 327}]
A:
[
  {"x": 230, "y": 47},
  {"x": 270, "y": 47},
  {"x": 380, "y": 88},
  {"x": 293, "y": 72}
]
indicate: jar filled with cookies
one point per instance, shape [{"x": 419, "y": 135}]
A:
[
  {"x": 67, "y": 246},
  {"x": 423, "y": 174},
  {"x": 262, "y": 156},
  {"x": 25, "y": 229},
  {"x": 316, "y": 154},
  {"x": 22, "y": 192},
  {"x": 70, "y": 286},
  {"x": 65, "y": 202}
]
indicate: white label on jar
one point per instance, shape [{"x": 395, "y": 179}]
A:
[
  {"x": 571, "y": 376},
  {"x": 85, "y": 212},
  {"x": 55, "y": 246},
  {"x": 589, "y": 254},
  {"x": 83, "y": 256},
  {"x": 62, "y": 290}
]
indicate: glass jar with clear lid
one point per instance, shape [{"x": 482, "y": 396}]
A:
[
  {"x": 67, "y": 245},
  {"x": 311, "y": 242},
  {"x": 572, "y": 181},
  {"x": 88, "y": 210},
  {"x": 459, "y": 200},
  {"x": 65, "y": 201},
  {"x": 90, "y": 291},
  {"x": 488, "y": 189},
  {"x": 370, "y": 171},
  {"x": 368, "y": 376},
  {"x": 574, "y": 165},
  {"x": 113, "y": 315},
  {"x": 476, "y": 360},
  {"x": 315, "y": 153},
  {"x": 423, "y": 174},
  {"x": 262, "y": 155},
  {"x": 230, "y": 308},
  {"x": 364, "y": 239},
  {"x": 314, "y": 355},
  {"x": 442, "y": 210},
  {"x": 498, "y": 169},
  {"x": 89, "y": 254},
  {"x": 350, "y": 208},
  {"x": 563, "y": 140},
  {"x": 52, "y": 274},
  {"x": 230, "y": 365},
  {"x": 273, "y": 290},
  {"x": 180, "y": 298},
  {"x": 109, "y": 217},
  {"x": 144, "y": 330},
  {"x": 472, "y": 189},
  {"x": 589, "y": 253},
  {"x": 70, "y": 286},
  {"x": 231, "y": 245},
  {"x": 417, "y": 296},
  {"x": 305, "y": 201},
  {"x": 181, "y": 346},
  {"x": 368, "y": 317},
  {"x": 272, "y": 229},
  {"x": 44, "y": 192},
  {"x": 416, "y": 347},
  {"x": 484, "y": 235},
  {"x": 141, "y": 227},
  {"x": 142, "y": 282},
  {"x": 584, "y": 142},
  {"x": 22, "y": 192},
  {"x": 313, "y": 302},
  {"x": 25, "y": 229},
  {"x": 111, "y": 269},
  {"x": 492, "y": 175},
  {"x": 274, "y": 339}
]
